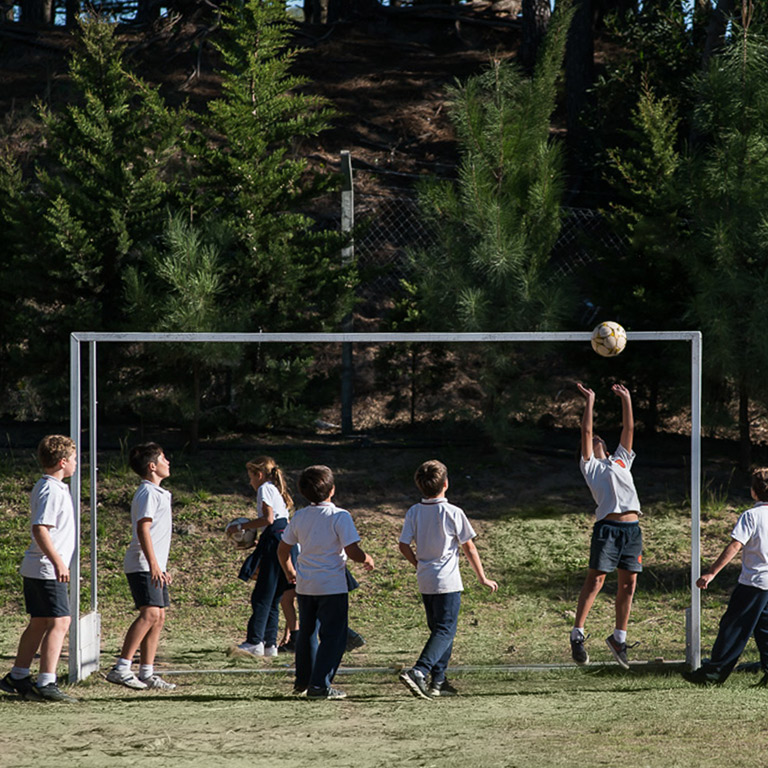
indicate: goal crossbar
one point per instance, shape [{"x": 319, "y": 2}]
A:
[{"x": 85, "y": 630}]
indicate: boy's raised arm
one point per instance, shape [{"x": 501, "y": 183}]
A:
[
  {"x": 627, "y": 418},
  {"x": 586, "y": 421}
]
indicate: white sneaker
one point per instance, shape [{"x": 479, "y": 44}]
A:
[
  {"x": 249, "y": 649},
  {"x": 157, "y": 683},
  {"x": 128, "y": 679},
  {"x": 270, "y": 650}
]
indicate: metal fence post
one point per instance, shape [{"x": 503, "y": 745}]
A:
[{"x": 347, "y": 257}]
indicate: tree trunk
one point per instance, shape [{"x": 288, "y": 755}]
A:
[
  {"x": 745, "y": 442},
  {"x": 37, "y": 13},
  {"x": 536, "y": 15},
  {"x": 579, "y": 66},
  {"x": 718, "y": 22}
]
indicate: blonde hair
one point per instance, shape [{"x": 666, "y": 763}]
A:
[
  {"x": 267, "y": 466},
  {"x": 53, "y": 448}
]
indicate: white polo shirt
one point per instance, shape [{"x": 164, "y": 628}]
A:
[
  {"x": 751, "y": 530},
  {"x": 153, "y": 502},
  {"x": 438, "y": 529},
  {"x": 268, "y": 494},
  {"x": 50, "y": 504},
  {"x": 322, "y": 530},
  {"x": 611, "y": 484}
]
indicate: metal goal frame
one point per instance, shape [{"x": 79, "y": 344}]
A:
[{"x": 85, "y": 631}]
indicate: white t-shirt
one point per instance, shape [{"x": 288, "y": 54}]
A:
[
  {"x": 153, "y": 502},
  {"x": 438, "y": 529},
  {"x": 751, "y": 530},
  {"x": 322, "y": 530},
  {"x": 268, "y": 494},
  {"x": 50, "y": 504},
  {"x": 611, "y": 484}
]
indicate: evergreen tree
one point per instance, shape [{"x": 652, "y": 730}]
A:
[
  {"x": 495, "y": 227},
  {"x": 727, "y": 199}
]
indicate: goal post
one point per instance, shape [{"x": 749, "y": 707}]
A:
[{"x": 85, "y": 631}]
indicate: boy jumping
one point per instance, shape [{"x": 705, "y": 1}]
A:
[
  {"x": 45, "y": 569},
  {"x": 617, "y": 542},
  {"x": 438, "y": 529},
  {"x": 145, "y": 567}
]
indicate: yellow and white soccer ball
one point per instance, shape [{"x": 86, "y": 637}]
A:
[
  {"x": 242, "y": 539},
  {"x": 609, "y": 339}
]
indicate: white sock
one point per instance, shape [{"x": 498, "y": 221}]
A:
[
  {"x": 18, "y": 672},
  {"x": 620, "y": 635},
  {"x": 123, "y": 665},
  {"x": 45, "y": 678},
  {"x": 146, "y": 670},
  {"x": 577, "y": 632}
]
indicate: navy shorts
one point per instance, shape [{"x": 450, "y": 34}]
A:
[
  {"x": 46, "y": 598},
  {"x": 144, "y": 592},
  {"x": 616, "y": 545}
]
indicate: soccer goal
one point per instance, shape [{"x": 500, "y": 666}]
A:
[{"x": 85, "y": 632}]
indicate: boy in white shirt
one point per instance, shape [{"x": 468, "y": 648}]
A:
[
  {"x": 617, "y": 542},
  {"x": 438, "y": 529},
  {"x": 45, "y": 570},
  {"x": 326, "y": 536},
  {"x": 747, "y": 612},
  {"x": 145, "y": 566}
]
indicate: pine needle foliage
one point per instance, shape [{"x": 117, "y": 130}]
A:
[{"x": 497, "y": 224}]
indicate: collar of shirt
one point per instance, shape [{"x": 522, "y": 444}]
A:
[{"x": 438, "y": 500}]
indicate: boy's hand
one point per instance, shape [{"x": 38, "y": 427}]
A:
[
  {"x": 490, "y": 583},
  {"x": 156, "y": 575},
  {"x": 368, "y": 563},
  {"x": 61, "y": 571},
  {"x": 585, "y": 391},
  {"x": 704, "y": 580},
  {"x": 621, "y": 391}
]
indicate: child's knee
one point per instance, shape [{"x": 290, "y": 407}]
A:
[{"x": 152, "y": 614}]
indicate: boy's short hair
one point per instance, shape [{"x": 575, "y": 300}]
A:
[
  {"x": 430, "y": 478},
  {"x": 53, "y": 448},
  {"x": 142, "y": 456},
  {"x": 760, "y": 483},
  {"x": 316, "y": 483}
]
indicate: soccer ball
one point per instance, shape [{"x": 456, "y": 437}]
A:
[
  {"x": 241, "y": 539},
  {"x": 609, "y": 339}
]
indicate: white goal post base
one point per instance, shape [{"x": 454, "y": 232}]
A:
[{"x": 84, "y": 635}]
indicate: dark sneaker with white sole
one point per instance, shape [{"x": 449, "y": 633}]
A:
[
  {"x": 619, "y": 650},
  {"x": 18, "y": 685},
  {"x": 414, "y": 681},
  {"x": 50, "y": 692},
  {"x": 315, "y": 694},
  {"x": 578, "y": 651},
  {"x": 442, "y": 688}
]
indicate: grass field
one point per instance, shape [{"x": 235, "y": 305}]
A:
[{"x": 533, "y": 515}]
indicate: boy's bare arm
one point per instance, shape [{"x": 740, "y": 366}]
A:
[
  {"x": 627, "y": 418},
  {"x": 726, "y": 556},
  {"x": 586, "y": 421},
  {"x": 284, "y": 558},
  {"x": 408, "y": 553},
  {"x": 43, "y": 538},
  {"x": 354, "y": 552},
  {"x": 145, "y": 540},
  {"x": 470, "y": 550}
]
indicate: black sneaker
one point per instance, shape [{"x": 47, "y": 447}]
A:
[
  {"x": 414, "y": 681},
  {"x": 442, "y": 688},
  {"x": 619, "y": 651},
  {"x": 51, "y": 692},
  {"x": 289, "y": 646},
  {"x": 354, "y": 640},
  {"x": 578, "y": 651},
  {"x": 18, "y": 685}
]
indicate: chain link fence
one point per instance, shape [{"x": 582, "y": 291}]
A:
[{"x": 391, "y": 225}]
